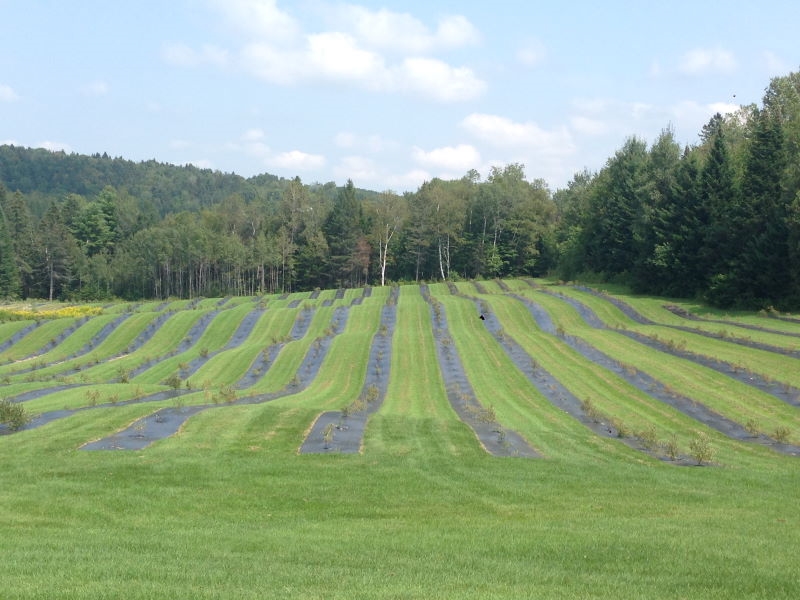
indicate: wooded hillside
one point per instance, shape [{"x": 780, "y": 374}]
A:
[{"x": 718, "y": 220}]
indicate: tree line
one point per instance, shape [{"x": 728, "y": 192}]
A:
[{"x": 718, "y": 220}]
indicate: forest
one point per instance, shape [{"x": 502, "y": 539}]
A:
[{"x": 718, "y": 220}]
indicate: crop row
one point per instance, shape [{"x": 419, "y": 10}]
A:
[{"x": 513, "y": 367}]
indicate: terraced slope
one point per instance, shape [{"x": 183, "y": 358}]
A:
[{"x": 512, "y": 368}]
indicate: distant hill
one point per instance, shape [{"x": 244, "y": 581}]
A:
[{"x": 45, "y": 176}]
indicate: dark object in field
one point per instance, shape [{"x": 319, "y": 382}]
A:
[{"x": 482, "y": 318}]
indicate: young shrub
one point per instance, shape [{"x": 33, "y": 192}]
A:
[
  {"x": 92, "y": 396},
  {"x": 174, "y": 381},
  {"x": 648, "y": 437},
  {"x": 591, "y": 411},
  {"x": 327, "y": 435},
  {"x": 373, "y": 393},
  {"x": 13, "y": 415},
  {"x": 753, "y": 427},
  {"x": 488, "y": 415},
  {"x": 623, "y": 430},
  {"x": 781, "y": 434},
  {"x": 670, "y": 446},
  {"x": 700, "y": 448}
]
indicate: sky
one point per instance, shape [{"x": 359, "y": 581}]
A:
[{"x": 389, "y": 94}]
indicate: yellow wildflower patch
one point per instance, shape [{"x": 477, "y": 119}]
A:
[{"x": 20, "y": 313}]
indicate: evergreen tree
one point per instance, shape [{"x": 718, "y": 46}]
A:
[
  {"x": 23, "y": 240},
  {"x": 762, "y": 271},
  {"x": 648, "y": 272},
  {"x": 9, "y": 277},
  {"x": 615, "y": 233},
  {"x": 343, "y": 230},
  {"x": 721, "y": 247}
]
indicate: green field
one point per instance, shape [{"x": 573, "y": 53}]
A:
[{"x": 229, "y": 508}]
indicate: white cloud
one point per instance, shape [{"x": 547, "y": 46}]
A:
[
  {"x": 503, "y": 132},
  {"x": 358, "y": 168},
  {"x": 434, "y": 78},
  {"x": 722, "y": 108},
  {"x": 202, "y": 163},
  {"x": 591, "y": 105},
  {"x": 181, "y": 55},
  {"x": 295, "y": 159},
  {"x": 459, "y": 158},
  {"x": 373, "y": 143},
  {"x": 640, "y": 110},
  {"x": 274, "y": 65},
  {"x": 588, "y": 126},
  {"x": 7, "y": 94},
  {"x": 351, "y": 54},
  {"x": 693, "y": 112},
  {"x": 701, "y": 61},
  {"x": 260, "y": 18},
  {"x": 345, "y": 139},
  {"x": 409, "y": 180},
  {"x": 775, "y": 64},
  {"x": 253, "y": 135},
  {"x": 655, "y": 69},
  {"x": 179, "y": 144},
  {"x": 531, "y": 53},
  {"x": 402, "y": 32},
  {"x": 95, "y": 88},
  {"x": 456, "y": 31},
  {"x": 54, "y": 146},
  {"x": 337, "y": 56}
]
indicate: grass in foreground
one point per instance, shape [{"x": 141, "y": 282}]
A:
[{"x": 241, "y": 515}]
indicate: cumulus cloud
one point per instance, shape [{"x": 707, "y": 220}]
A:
[
  {"x": 503, "y": 132},
  {"x": 358, "y": 168},
  {"x": 588, "y": 126},
  {"x": 95, "y": 88},
  {"x": 337, "y": 56},
  {"x": 459, "y": 158},
  {"x": 722, "y": 108},
  {"x": 260, "y": 18},
  {"x": 405, "y": 33},
  {"x": 775, "y": 64},
  {"x": 272, "y": 64},
  {"x": 7, "y": 94},
  {"x": 429, "y": 76},
  {"x": 253, "y": 135},
  {"x": 373, "y": 143},
  {"x": 409, "y": 180},
  {"x": 700, "y": 61},
  {"x": 54, "y": 146},
  {"x": 345, "y": 139},
  {"x": 695, "y": 112},
  {"x": 353, "y": 53},
  {"x": 181, "y": 55},
  {"x": 295, "y": 159},
  {"x": 531, "y": 53}
]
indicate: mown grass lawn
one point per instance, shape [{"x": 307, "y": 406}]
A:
[{"x": 237, "y": 517}]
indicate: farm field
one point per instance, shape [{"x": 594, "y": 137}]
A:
[{"x": 497, "y": 439}]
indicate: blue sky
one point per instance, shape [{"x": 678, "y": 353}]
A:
[{"x": 389, "y": 94}]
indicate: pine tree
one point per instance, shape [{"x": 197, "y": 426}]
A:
[
  {"x": 343, "y": 229},
  {"x": 9, "y": 276}
]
